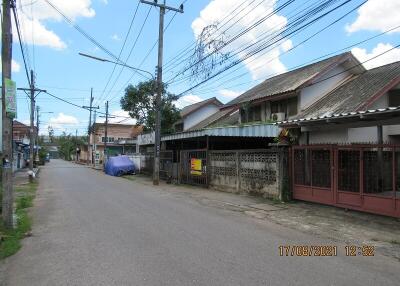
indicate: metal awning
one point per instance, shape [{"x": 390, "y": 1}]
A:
[
  {"x": 371, "y": 116},
  {"x": 253, "y": 130}
]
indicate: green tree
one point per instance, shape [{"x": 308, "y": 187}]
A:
[
  {"x": 140, "y": 101},
  {"x": 67, "y": 144}
]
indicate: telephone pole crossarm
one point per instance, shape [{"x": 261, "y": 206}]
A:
[{"x": 179, "y": 10}]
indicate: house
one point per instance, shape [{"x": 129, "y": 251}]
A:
[
  {"x": 21, "y": 141},
  {"x": 121, "y": 139},
  {"x": 349, "y": 154},
  {"x": 197, "y": 112},
  {"x": 247, "y": 122},
  {"x": 21, "y": 132},
  {"x": 191, "y": 116},
  {"x": 323, "y": 107},
  {"x": 363, "y": 109}
]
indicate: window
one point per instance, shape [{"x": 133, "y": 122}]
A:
[
  {"x": 288, "y": 106},
  {"x": 256, "y": 112},
  {"x": 292, "y": 106},
  {"x": 109, "y": 139},
  {"x": 179, "y": 127},
  {"x": 251, "y": 114}
]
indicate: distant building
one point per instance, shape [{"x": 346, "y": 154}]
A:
[
  {"x": 121, "y": 139},
  {"x": 21, "y": 141}
]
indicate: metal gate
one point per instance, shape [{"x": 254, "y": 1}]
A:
[
  {"x": 193, "y": 167},
  {"x": 166, "y": 159},
  {"x": 360, "y": 177}
]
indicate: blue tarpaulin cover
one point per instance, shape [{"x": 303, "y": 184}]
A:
[{"x": 118, "y": 166}]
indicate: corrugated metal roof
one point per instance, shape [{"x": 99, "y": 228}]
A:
[
  {"x": 253, "y": 130},
  {"x": 354, "y": 94},
  {"x": 340, "y": 115},
  {"x": 290, "y": 81}
]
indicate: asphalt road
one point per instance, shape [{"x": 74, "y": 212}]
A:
[{"x": 93, "y": 229}]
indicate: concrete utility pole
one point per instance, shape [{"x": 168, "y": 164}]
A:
[
  {"x": 32, "y": 90},
  {"x": 90, "y": 107},
  {"x": 6, "y": 56},
  {"x": 76, "y": 145},
  {"x": 94, "y": 140},
  {"x": 157, "y": 143},
  {"x": 32, "y": 128},
  {"x": 105, "y": 135},
  {"x": 37, "y": 131}
]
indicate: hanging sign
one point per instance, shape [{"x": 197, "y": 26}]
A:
[
  {"x": 10, "y": 98},
  {"x": 195, "y": 167}
]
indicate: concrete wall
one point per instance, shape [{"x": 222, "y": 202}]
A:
[
  {"x": 199, "y": 115},
  {"x": 261, "y": 172},
  {"x": 312, "y": 93}
]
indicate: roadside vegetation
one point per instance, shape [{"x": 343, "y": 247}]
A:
[{"x": 10, "y": 240}]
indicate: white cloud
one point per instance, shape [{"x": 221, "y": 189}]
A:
[
  {"x": 187, "y": 100},
  {"x": 15, "y": 66},
  {"x": 376, "y": 15},
  {"x": 287, "y": 45},
  {"x": 64, "y": 119},
  {"x": 115, "y": 37},
  {"x": 216, "y": 10},
  {"x": 60, "y": 123},
  {"x": 229, "y": 94},
  {"x": 390, "y": 57},
  {"x": 33, "y": 20},
  {"x": 119, "y": 117}
]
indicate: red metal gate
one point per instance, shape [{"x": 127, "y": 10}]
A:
[{"x": 360, "y": 177}]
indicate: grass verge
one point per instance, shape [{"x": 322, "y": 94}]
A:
[{"x": 10, "y": 241}]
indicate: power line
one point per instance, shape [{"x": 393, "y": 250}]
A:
[
  {"x": 264, "y": 46},
  {"x": 122, "y": 48},
  {"x": 20, "y": 42},
  {"x": 189, "y": 48},
  {"x": 81, "y": 31},
  {"x": 354, "y": 66},
  {"x": 79, "y": 106},
  {"x": 145, "y": 58},
  {"x": 301, "y": 43},
  {"x": 279, "y": 36},
  {"x": 268, "y": 33}
]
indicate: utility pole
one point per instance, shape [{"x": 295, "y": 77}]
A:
[
  {"x": 32, "y": 129},
  {"x": 76, "y": 145},
  {"x": 6, "y": 56},
  {"x": 32, "y": 90},
  {"x": 37, "y": 131},
  {"x": 105, "y": 135},
  {"x": 90, "y": 107},
  {"x": 94, "y": 141},
  {"x": 157, "y": 143}
]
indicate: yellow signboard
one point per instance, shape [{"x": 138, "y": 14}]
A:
[{"x": 195, "y": 167}]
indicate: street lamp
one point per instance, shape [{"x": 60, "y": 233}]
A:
[
  {"x": 120, "y": 64},
  {"x": 157, "y": 142}
]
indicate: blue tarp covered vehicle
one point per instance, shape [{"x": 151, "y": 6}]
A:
[{"x": 118, "y": 166}]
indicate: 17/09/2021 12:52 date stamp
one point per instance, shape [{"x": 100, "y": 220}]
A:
[{"x": 326, "y": 250}]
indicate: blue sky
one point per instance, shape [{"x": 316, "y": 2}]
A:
[{"x": 53, "y": 47}]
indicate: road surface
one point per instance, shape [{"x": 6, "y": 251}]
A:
[{"x": 93, "y": 229}]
